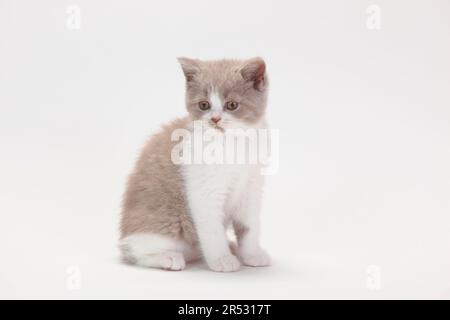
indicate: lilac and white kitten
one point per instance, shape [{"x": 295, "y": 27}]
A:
[{"x": 175, "y": 213}]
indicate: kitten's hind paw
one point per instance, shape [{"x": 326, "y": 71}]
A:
[
  {"x": 173, "y": 261},
  {"x": 227, "y": 263}
]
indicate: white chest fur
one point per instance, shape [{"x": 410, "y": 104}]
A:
[
  {"x": 218, "y": 194},
  {"x": 220, "y": 186}
]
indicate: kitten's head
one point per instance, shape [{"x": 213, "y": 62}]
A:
[{"x": 226, "y": 93}]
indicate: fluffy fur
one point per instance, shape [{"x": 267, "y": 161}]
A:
[{"x": 177, "y": 213}]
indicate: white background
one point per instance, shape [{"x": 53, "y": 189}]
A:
[{"x": 363, "y": 114}]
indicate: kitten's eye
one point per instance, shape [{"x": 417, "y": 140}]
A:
[
  {"x": 232, "y": 105},
  {"x": 204, "y": 105}
]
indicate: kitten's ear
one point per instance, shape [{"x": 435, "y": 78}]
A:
[
  {"x": 190, "y": 67},
  {"x": 254, "y": 70}
]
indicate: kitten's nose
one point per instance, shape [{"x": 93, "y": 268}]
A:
[{"x": 215, "y": 119}]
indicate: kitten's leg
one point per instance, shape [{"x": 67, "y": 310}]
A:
[
  {"x": 247, "y": 228},
  {"x": 206, "y": 206},
  {"x": 155, "y": 251},
  {"x": 213, "y": 240}
]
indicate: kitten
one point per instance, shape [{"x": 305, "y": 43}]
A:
[{"x": 176, "y": 213}]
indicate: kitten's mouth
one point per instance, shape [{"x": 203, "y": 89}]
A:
[{"x": 216, "y": 126}]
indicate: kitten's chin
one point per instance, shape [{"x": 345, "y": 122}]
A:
[
  {"x": 228, "y": 125},
  {"x": 217, "y": 126}
]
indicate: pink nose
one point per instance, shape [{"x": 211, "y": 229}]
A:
[{"x": 216, "y": 119}]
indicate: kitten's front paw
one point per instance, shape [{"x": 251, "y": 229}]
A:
[
  {"x": 258, "y": 259},
  {"x": 227, "y": 263}
]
